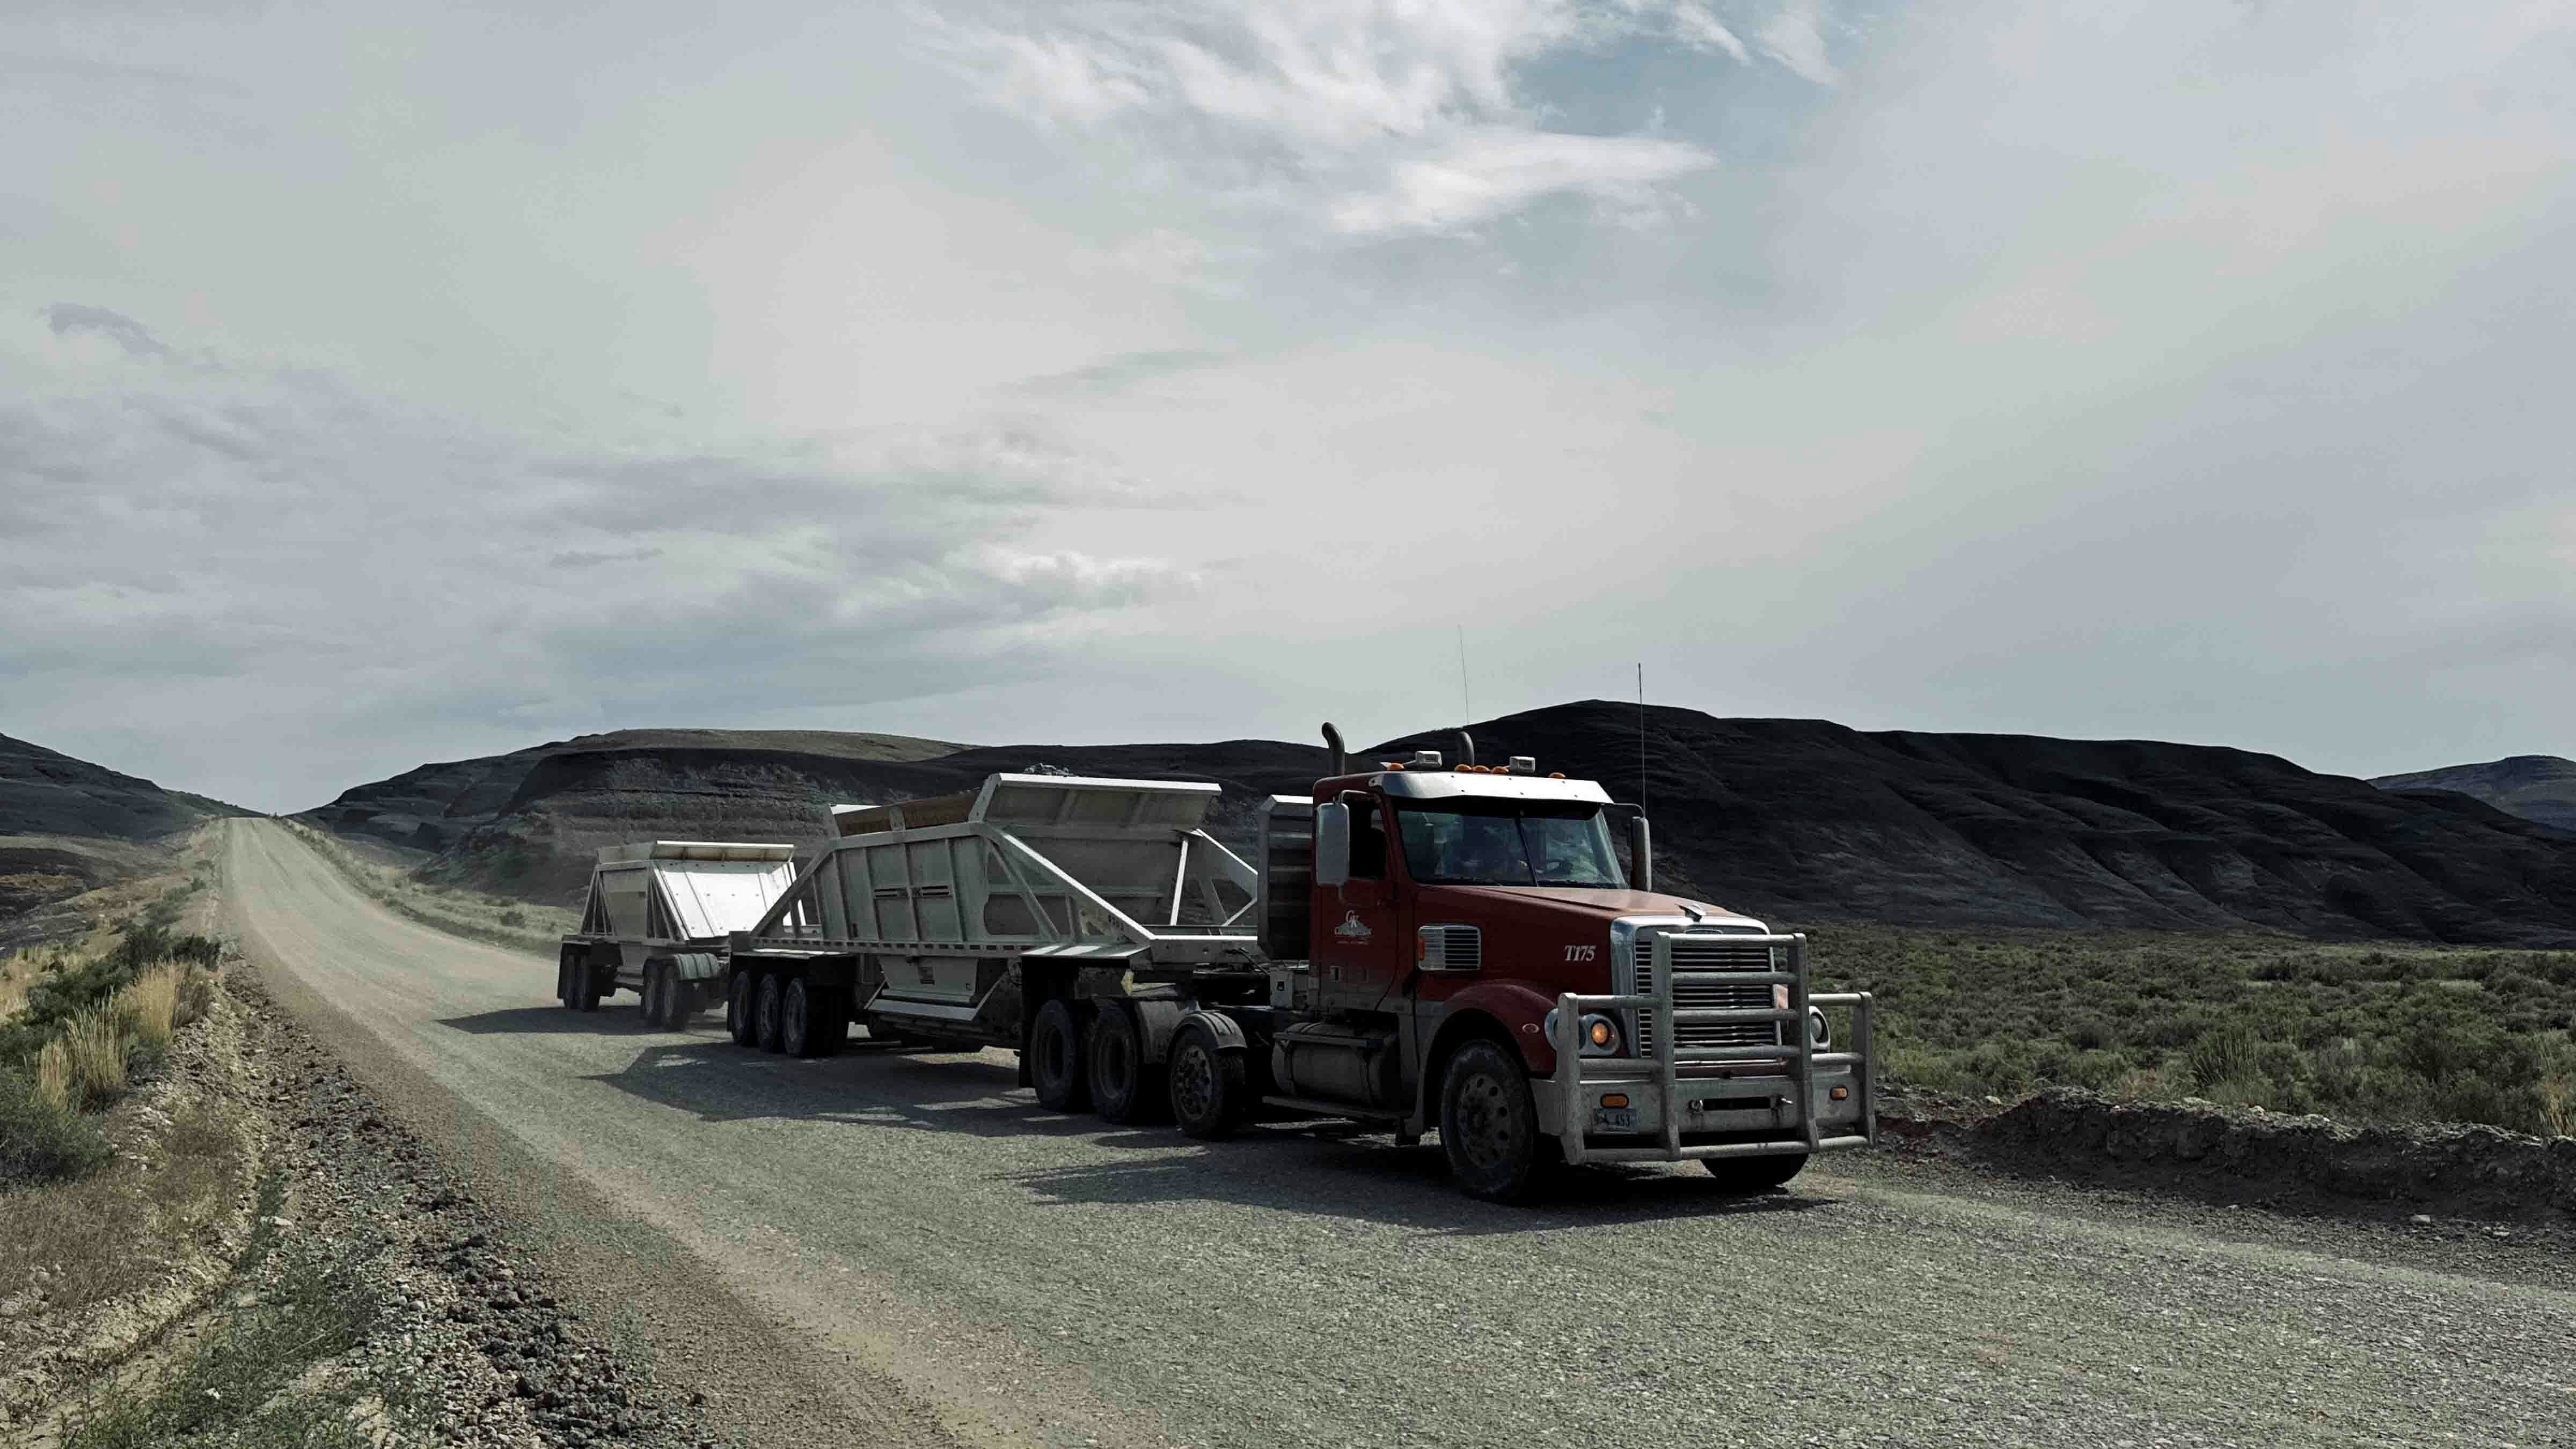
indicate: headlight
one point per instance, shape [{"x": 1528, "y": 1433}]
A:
[
  {"x": 1816, "y": 1030},
  {"x": 1600, "y": 1034}
]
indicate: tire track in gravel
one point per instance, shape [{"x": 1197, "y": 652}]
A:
[{"x": 907, "y": 1249}]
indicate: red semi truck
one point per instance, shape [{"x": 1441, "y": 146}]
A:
[{"x": 1420, "y": 946}]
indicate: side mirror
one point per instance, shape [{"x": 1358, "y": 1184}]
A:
[
  {"x": 1332, "y": 844},
  {"x": 1641, "y": 850}
]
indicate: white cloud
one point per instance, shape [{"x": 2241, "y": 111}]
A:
[
  {"x": 287, "y": 555},
  {"x": 1378, "y": 119},
  {"x": 1794, "y": 36},
  {"x": 1493, "y": 174}
]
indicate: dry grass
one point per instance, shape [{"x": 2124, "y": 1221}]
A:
[
  {"x": 122, "y": 1228},
  {"x": 94, "y": 1047},
  {"x": 150, "y": 1007},
  {"x": 2558, "y": 1105}
]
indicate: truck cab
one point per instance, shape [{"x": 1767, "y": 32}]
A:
[{"x": 1480, "y": 960}]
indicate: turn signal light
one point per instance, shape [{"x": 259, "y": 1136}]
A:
[
  {"x": 1620, "y": 1099},
  {"x": 1839, "y": 1093}
]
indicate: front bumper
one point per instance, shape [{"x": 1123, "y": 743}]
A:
[{"x": 1725, "y": 1101}]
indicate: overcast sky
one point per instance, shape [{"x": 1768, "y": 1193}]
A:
[{"x": 375, "y": 391}]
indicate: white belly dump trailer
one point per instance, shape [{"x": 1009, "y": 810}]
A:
[{"x": 656, "y": 920}]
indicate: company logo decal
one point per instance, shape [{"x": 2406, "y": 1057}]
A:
[{"x": 1352, "y": 927}]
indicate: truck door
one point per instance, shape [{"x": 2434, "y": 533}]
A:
[{"x": 1359, "y": 937}]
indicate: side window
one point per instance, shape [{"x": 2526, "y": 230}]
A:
[{"x": 1368, "y": 844}]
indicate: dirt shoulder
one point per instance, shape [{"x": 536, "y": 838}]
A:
[
  {"x": 739, "y": 1377},
  {"x": 274, "y": 1258}
]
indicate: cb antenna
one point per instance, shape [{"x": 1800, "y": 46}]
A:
[
  {"x": 1641, "y": 734},
  {"x": 1466, "y": 699}
]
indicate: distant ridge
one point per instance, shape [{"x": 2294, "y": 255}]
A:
[
  {"x": 2535, "y": 787},
  {"x": 1797, "y": 820},
  {"x": 68, "y": 826},
  {"x": 46, "y": 792}
]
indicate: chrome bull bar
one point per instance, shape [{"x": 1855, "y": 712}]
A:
[{"x": 1799, "y": 1094}]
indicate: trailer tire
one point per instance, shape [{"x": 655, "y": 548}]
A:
[
  {"x": 765, "y": 1013},
  {"x": 1489, "y": 1126},
  {"x": 680, "y": 1002},
  {"x": 1056, "y": 1066},
  {"x": 804, "y": 1009},
  {"x": 1125, "y": 1088},
  {"x": 1210, "y": 1097},
  {"x": 738, "y": 989},
  {"x": 585, "y": 986},
  {"x": 1755, "y": 1174},
  {"x": 563, "y": 977},
  {"x": 656, "y": 994}
]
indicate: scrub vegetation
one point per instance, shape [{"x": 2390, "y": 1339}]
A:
[
  {"x": 2363, "y": 1033},
  {"x": 455, "y": 909},
  {"x": 81, "y": 1029}
]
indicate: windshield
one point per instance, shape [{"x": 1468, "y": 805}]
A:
[{"x": 1508, "y": 842}]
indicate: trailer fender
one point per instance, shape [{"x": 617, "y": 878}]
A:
[
  {"x": 1227, "y": 1031},
  {"x": 1155, "y": 1023},
  {"x": 697, "y": 966}
]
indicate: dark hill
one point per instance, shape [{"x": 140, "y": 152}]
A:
[
  {"x": 68, "y": 826},
  {"x": 43, "y": 792},
  {"x": 541, "y": 841},
  {"x": 2535, "y": 787},
  {"x": 438, "y": 805},
  {"x": 1808, "y": 820},
  {"x": 1800, "y": 820}
]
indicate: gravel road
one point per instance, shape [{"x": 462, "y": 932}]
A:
[{"x": 906, "y": 1249}]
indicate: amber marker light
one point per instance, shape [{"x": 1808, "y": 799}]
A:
[{"x": 1620, "y": 1099}]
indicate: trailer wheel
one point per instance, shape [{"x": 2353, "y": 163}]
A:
[
  {"x": 1489, "y": 1126},
  {"x": 585, "y": 985},
  {"x": 656, "y": 994},
  {"x": 563, "y": 976},
  {"x": 1056, "y": 1066},
  {"x": 680, "y": 1001},
  {"x": 1754, "y": 1174},
  {"x": 1124, "y": 1087},
  {"x": 765, "y": 1014},
  {"x": 804, "y": 1012},
  {"x": 738, "y": 989},
  {"x": 1210, "y": 1098}
]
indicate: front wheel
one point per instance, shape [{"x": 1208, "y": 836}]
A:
[
  {"x": 1754, "y": 1174},
  {"x": 1210, "y": 1098},
  {"x": 1489, "y": 1126}
]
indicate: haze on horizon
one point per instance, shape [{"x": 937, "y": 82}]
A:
[{"x": 381, "y": 391}]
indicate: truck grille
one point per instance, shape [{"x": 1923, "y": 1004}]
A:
[{"x": 1705, "y": 955}]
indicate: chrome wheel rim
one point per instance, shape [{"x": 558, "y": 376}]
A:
[{"x": 1193, "y": 1082}]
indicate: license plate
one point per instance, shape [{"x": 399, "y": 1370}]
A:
[{"x": 1615, "y": 1119}]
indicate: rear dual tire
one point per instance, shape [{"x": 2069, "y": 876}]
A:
[
  {"x": 1125, "y": 1088},
  {"x": 811, "y": 1022},
  {"x": 1056, "y": 1065},
  {"x": 739, "y": 989}
]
